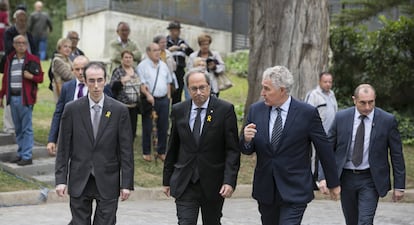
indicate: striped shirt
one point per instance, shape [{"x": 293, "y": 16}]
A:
[{"x": 16, "y": 76}]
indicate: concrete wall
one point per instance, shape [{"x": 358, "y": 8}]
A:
[{"x": 96, "y": 31}]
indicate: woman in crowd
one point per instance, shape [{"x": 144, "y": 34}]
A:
[
  {"x": 125, "y": 85},
  {"x": 215, "y": 64},
  {"x": 61, "y": 65}
]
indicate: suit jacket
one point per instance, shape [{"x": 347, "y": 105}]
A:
[
  {"x": 217, "y": 156},
  {"x": 66, "y": 95},
  {"x": 384, "y": 141},
  {"x": 109, "y": 156},
  {"x": 289, "y": 168}
]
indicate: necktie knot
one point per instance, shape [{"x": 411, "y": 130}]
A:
[
  {"x": 362, "y": 117},
  {"x": 96, "y": 107}
]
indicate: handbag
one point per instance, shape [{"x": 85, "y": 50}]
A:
[
  {"x": 146, "y": 107},
  {"x": 223, "y": 82}
]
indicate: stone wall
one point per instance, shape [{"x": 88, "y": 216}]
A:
[{"x": 98, "y": 29}]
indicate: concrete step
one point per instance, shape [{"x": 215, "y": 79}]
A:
[
  {"x": 40, "y": 166},
  {"x": 9, "y": 151},
  {"x": 46, "y": 178},
  {"x": 7, "y": 139}
]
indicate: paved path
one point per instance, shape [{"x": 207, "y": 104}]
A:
[{"x": 236, "y": 211}]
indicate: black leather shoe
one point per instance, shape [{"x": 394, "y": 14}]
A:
[
  {"x": 25, "y": 162},
  {"x": 15, "y": 159}
]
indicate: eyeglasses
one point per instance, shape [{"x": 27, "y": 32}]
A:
[
  {"x": 202, "y": 88},
  {"x": 74, "y": 38},
  {"x": 19, "y": 42}
]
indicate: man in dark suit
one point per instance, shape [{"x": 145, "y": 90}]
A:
[
  {"x": 280, "y": 130},
  {"x": 95, "y": 157},
  {"x": 71, "y": 90},
  {"x": 364, "y": 138},
  {"x": 203, "y": 157}
]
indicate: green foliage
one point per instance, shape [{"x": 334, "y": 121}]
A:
[
  {"x": 357, "y": 11},
  {"x": 383, "y": 58},
  {"x": 57, "y": 12},
  {"x": 406, "y": 128},
  {"x": 237, "y": 63}
]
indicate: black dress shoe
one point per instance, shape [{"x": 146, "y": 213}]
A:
[
  {"x": 15, "y": 159},
  {"x": 25, "y": 162}
]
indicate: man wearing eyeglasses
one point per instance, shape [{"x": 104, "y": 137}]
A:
[
  {"x": 22, "y": 73},
  {"x": 156, "y": 79},
  {"x": 203, "y": 157}
]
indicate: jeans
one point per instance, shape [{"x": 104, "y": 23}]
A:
[
  {"x": 42, "y": 46},
  {"x": 22, "y": 119},
  {"x": 161, "y": 106}
]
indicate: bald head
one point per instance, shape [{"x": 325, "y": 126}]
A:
[
  {"x": 153, "y": 52},
  {"x": 38, "y": 6},
  {"x": 78, "y": 66}
]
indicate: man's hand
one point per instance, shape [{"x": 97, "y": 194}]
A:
[
  {"x": 125, "y": 194},
  {"x": 174, "y": 48},
  {"x": 28, "y": 75},
  {"x": 335, "y": 193},
  {"x": 249, "y": 132},
  {"x": 397, "y": 195},
  {"x": 323, "y": 188},
  {"x": 167, "y": 191},
  {"x": 151, "y": 99},
  {"x": 51, "y": 148},
  {"x": 61, "y": 190},
  {"x": 226, "y": 191}
]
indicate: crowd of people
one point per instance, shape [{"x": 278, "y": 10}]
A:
[{"x": 300, "y": 145}]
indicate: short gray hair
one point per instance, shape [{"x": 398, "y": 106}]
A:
[
  {"x": 196, "y": 70},
  {"x": 280, "y": 77}
]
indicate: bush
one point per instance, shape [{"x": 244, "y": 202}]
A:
[
  {"x": 237, "y": 63},
  {"x": 382, "y": 58}
]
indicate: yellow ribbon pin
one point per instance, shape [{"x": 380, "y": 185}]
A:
[
  {"x": 108, "y": 114},
  {"x": 209, "y": 118}
]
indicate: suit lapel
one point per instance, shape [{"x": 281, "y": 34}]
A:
[
  {"x": 349, "y": 126},
  {"x": 375, "y": 121},
  {"x": 105, "y": 117},
  {"x": 291, "y": 115},
  {"x": 86, "y": 117},
  {"x": 208, "y": 119}
]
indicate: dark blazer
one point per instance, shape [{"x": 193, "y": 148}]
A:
[
  {"x": 384, "y": 141},
  {"x": 217, "y": 156},
  {"x": 109, "y": 156},
  {"x": 66, "y": 95},
  {"x": 289, "y": 168}
]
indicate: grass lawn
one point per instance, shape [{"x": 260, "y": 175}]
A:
[{"x": 149, "y": 174}]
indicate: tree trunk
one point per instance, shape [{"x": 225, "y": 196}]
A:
[{"x": 291, "y": 33}]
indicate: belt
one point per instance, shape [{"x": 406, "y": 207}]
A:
[
  {"x": 160, "y": 97},
  {"x": 354, "y": 171},
  {"x": 15, "y": 93}
]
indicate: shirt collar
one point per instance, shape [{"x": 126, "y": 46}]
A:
[
  {"x": 92, "y": 103},
  {"x": 285, "y": 105},
  {"x": 370, "y": 116}
]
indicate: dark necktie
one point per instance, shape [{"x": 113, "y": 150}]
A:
[
  {"x": 197, "y": 126},
  {"x": 80, "y": 91},
  {"x": 96, "y": 118},
  {"x": 359, "y": 143},
  {"x": 277, "y": 129}
]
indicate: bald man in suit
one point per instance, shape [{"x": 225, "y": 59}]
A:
[
  {"x": 95, "y": 157},
  {"x": 366, "y": 176}
]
